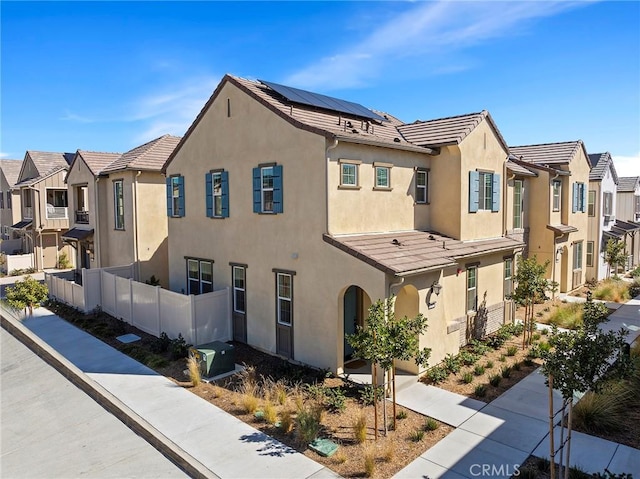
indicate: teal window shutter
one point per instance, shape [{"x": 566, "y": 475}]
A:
[
  {"x": 474, "y": 191},
  {"x": 495, "y": 193},
  {"x": 584, "y": 198},
  {"x": 180, "y": 211},
  {"x": 257, "y": 191},
  {"x": 225, "y": 194},
  {"x": 277, "y": 189},
  {"x": 574, "y": 206},
  {"x": 168, "y": 182},
  {"x": 208, "y": 181}
]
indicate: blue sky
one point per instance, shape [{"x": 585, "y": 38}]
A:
[{"x": 110, "y": 76}]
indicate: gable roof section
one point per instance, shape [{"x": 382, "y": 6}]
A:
[
  {"x": 149, "y": 157},
  {"x": 628, "y": 184},
  {"x": 11, "y": 170},
  {"x": 324, "y": 122},
  {"x": 600, "y": 162},
  {"x": 46, "y": 165},
  {"x": 520, "y": 169},
  {"x": 550, "y": 153},
  {"x": 96, "y": 161},
  {"x": 413, "y": 252},
  {"x": 447, "y": 131}
]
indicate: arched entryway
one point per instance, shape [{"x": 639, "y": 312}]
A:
[
  {"x": 356, "y": 303},
  {"x": 407, "y": 303}
]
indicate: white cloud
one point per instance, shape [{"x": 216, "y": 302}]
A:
[
  {"x": 430, "y": 29},
  {"x": 4, "y": 155},
  {"x": 627, "y": 165},
  {"x": 69, "y": 116}
]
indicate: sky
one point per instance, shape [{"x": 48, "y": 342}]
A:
[{"x": 109, "y": 76}]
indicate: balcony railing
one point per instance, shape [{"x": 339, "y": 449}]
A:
[
  {"x": 56, "y": 212},
  {"x": 27, "y": 212},
  {"x": 82, "y": 217}
]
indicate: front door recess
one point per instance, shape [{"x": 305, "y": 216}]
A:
[{"x": 352, "y": 315}]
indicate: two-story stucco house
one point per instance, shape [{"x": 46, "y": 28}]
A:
[
  {"x": 601, "y": 210},
  {"x": 10, "y": 212},
  {"x": 119, "y": 209},
  {"x": 628, "y": 212},
  {"x": 557, "y": 213},
  {"x": 311, "y": 208},
  {"x": 44, "y": 207}
]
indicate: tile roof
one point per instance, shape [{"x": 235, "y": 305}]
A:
[
  {"x": 446, "y": 131},
  {"x": 150, "y": 156},
  {"x": 97, "y": 160},
  {"x": 562, "y": 229},
  {"x": 549, "y": 153},
  {"x": 628, "y": 184},
  {"x": 46, "y": 162},
  {"x": 600, "y": 162},
  {"x": 11, "y": 170},
  {"x": 519, "y": 169},
  {"x": 412, "y": 252}
]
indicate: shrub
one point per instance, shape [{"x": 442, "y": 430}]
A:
[
  {"x": 468, "y": 358},
  {"x": 360, "y": 428},
  {"x": 269, "y": 413},
  {"x": 479, "y": 347},
  {"x": 249, "y": 403},
  {"x": 161, "y": 344},
  {"x": 401, "y": 415},
  {"x": 340, "y": 457},
  {"x": 334, "y": 399},
  {"x": 567, "y": 316},
  {"x": 28, "y": 293},
  {"x": 543, "y": 464},
  {"x": 431, "y": 424},
  {"x": 153, "y": 281},
  {"x": 308, "y": 423},
  {"x": 603, "y": 411},
  {"x": 480, "y": 390},
  {"x": 467, "y": 377},
  {"x": 193, "y": 365},
  {"x": 516, "y": 366},
  {"x": 478, "y": 370},
  {"x": 452, "y": 363},
  {"x": 634, "y": 288},
  {"x": 367, "y": 396},
  {"x": 528, "y": 361},
  {"x": 389, "y": 452},
  {"x": 612, "y": 290},
  {"x": 536, "y": 336},
  {"x": 489, "y": 365},
  {"x": 505, "y": 372},
  {"x": 437, "y": 374},
  {"x": 527, "y": 473},
  {"x": 179, "y": 347},
  {"x": 495, "y": 379},
  {"x": 417, "y": 435},
  {"x": 369, "y": 457},
  {"x": 502, "y": 358},
  {"x": 286, "y": 421},
  {"x": 512, "y": 350}
]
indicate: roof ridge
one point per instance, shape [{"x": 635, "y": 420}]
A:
[
  {"x": 483, "y": 112},
  {"x": 547, "y": 144}
]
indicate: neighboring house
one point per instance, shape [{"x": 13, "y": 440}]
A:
[
  {"x": 311, "y": 208},
  {"x": 628, "y": 215},
  {"x": 44, "y": 206},
  {"x": 10, "y": 212},
  {"x": 120, "y": 209},
  {"x": 557, "y": 213},
  {"x": 601, "y": 210}
]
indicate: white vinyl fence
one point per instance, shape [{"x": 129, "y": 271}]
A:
[
  {"x": 200, "y": 319},
  {"x": 18, "y": 261}
]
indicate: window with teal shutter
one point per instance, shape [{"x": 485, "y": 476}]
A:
[
  {"x": 257, "y": 191},
  {"x": 217, "y": 194},
  {"x": 277, "y": 189},
  {"x": 495, "y": 203},
  {"x": 175, "y": 196},
  {"x": 267, "y": 189},
  {"x": 224, "y": 186},
  {"x": 474, "y": 191},
  {"x": 574, "y": 194},
  {"x": 208, "y": 181}
]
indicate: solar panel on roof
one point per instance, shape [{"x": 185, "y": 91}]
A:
[{"x": 323, "y": 101}]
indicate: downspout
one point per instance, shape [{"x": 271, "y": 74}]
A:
[
  {"x": 96, "y": 237},
  {"x": 136, "y": 253},
  {"x": 326, "y": 180},
  {"x": 555, "y": 253}
]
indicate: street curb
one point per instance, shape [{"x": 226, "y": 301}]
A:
[{"x": 107, "y": 400}]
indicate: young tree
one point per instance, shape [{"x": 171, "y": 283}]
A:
[
  {"x": 531, "y": 285},
  {"x": 385, "y": 339},
  {"x": 576, "y": 363},
  {"x": 614, "y": 256},
  {"x": 28, "y": 293}
]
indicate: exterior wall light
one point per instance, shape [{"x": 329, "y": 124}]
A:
[{"x": 436, "y": 288}]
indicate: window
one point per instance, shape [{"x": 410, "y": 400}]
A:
[
  {"x": 1, "y": 200},
  {"x": 285, "y": 298},
  {"x": 557, "y": 189},
  {"x": 175, "y": 196},
  {"x": 27, "y": 198},
  {"x": 484, "y": 191},
  {"x": 422, "y": 185},
  {"x": 200, "y": 276},
  {"x": 579, "y": 198},
  {"x": 349, "y": 175},
  {"x": 472, "y": 288},
  {"x": 217, "y": 194},
  {"x": 508, "y": 277},
  {"x": 517, "y": 203},
  {"x": 577, "y": 255},
  {"x": 589, "y": 254},
  {"x": 267, "y": 189},
  {"x": 9, "y": 199},
  {"x": 383, "y": 176},
  {"x": 239, "y": 291},
  {"x": 118, "y": 204},
  {"x": 56, "y": 204},
  {"x": 591, "y": 203},
  {"x": 608, "y": 203}
]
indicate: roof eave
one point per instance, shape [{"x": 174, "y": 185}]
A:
[{"x": 365, "y": 141}]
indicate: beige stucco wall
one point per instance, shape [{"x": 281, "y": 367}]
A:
[
  {"x": 9, "y": 216},
  {"x": 446, "y": 192},
  {"x": 116, "y": 245},
  {"x": 594, "y": 231}
]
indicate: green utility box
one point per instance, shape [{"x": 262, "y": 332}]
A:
[{"x": 215, "y": 358}]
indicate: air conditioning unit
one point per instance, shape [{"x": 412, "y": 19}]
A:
[{"x": 215, "y": 358}]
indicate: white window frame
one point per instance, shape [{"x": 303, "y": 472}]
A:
[
  {"x": 580, "y": 206},
  {"x": 266, "y": 206},
  {"x": 216, "y": 192},
  {"x": 472, "y": 271},
  {"x": 508, "y": 276},
  {"x": 282, "y": 298},
  {"x": 237, "y": 289},
  {"x": 485, "y": 190},
  {"x": 577, "y": 258},
  {"x": 175, "y": 195},
  {"x": 591, "y": 203},
  {"x": 590, "y": 255},
  {"x": 607, "y": 203},
  {"x": 518, "y": 203},
  {"x": 116, "y": 210},
  {"x": 556, "y": 189},
  {"x": 378, "y": 167},
  {"x": 344, "y": 175},
  {"x": 422, "y": 187}
]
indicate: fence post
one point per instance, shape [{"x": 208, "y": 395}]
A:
[
  {"x": 194, "y": 323},
  {"x": 84, "y": 289},
  {"x": 158, "y": 310},
  {"x": 131, "y": 301}
]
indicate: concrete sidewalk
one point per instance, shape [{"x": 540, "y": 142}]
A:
[{"x": 198, "y": 436}]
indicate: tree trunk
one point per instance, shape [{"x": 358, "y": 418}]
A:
[
  {"x": 384, "y": 400},
  {"x": 569, "y": 428},
  {"x": 393, "y": 372},
  {"x": 552, "y": 449},
  {"x": 375, "y": 401}
]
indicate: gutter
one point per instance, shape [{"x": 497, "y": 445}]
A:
[{"x": 96, "y": 237}]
